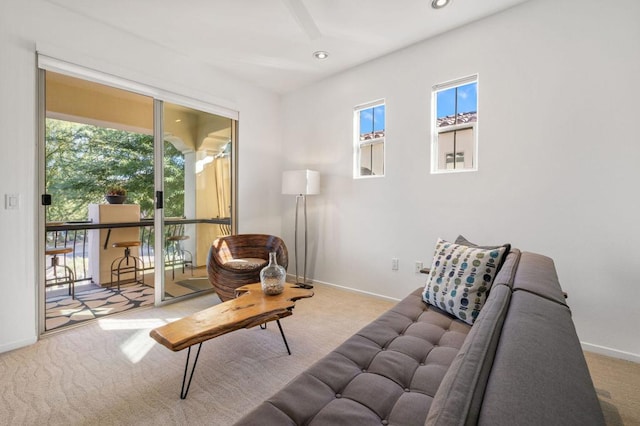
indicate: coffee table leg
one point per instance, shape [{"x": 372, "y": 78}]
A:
[
  {"x": 283, "y": 338},
  {"x": 183, "y": 391}
]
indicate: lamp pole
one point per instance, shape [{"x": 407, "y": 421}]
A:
[
  {"x": 301, "y": 198},
  {"x": 301, "y": 183}
]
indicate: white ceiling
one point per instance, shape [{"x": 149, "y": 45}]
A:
[{"x": 271, "y": 42}]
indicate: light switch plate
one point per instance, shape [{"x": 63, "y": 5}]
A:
[{"x": 11, "y": 201}]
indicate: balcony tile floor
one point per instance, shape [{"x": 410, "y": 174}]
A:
[{"x": 92, "y": 301}]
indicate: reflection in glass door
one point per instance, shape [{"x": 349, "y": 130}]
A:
[{"x": 197, "y": 170}]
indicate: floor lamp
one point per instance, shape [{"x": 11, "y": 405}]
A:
[{"x": 301, "y": 183}]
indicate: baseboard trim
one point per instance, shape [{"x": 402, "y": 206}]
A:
[
  {"x": 18, "y": 344},
  {"x": 291, "y": 278},
  {"x": 613, "y": 353}
]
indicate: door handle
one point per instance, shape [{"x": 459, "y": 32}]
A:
[{"x": 159, "y": 200}]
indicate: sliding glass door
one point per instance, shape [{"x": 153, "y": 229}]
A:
[{"x": 167, "y": 167}]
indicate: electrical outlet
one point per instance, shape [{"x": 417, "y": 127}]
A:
[
  {"x": 418, "y": 266},
  {"x": 394, "y": 264}
]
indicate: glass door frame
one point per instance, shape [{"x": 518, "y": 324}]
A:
[{"x": 158, "y": 216}]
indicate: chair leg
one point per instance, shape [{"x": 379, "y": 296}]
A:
[
  {"x": 68, "y": 277},
  {"x": 116, "y": 268},
  {"x": 72, "y": 282}
]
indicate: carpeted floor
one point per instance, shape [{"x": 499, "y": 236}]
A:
[
  {"x": 110, "y": 371},
  {"x": 617, "y": 384}
]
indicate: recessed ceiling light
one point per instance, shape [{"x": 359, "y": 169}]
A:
[
  {"x": 439, "y": 4},
  {"x": 320, "y": 54}
]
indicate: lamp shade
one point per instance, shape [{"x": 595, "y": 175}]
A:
[{"x": 301, "y": 182}]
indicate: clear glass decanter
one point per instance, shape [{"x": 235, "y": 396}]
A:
[{"x": 272, "y": 276}]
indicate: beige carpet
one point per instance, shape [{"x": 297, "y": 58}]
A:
[
  {"x": 617, "y": 384},
  {"x": 111, "y": 372}
]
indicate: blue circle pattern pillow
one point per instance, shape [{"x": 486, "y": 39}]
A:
[{"x": 460, "y": 278}]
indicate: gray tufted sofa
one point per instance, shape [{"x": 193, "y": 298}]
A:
[{"x": 519, "y": 364}]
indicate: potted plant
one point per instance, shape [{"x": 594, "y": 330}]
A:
[{"x": 116, "y": 194}]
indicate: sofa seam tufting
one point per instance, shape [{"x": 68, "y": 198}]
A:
[{"x": 550, "y": 299}]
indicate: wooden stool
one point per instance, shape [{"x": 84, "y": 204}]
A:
[
  {"x": 67, "y": 278},
  {"x": 117, "y": 267},
  {"x": 178, "y": 254}
]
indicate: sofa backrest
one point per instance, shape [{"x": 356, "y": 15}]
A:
[
  {"x": 536, "y": 274},
  {"x": 461, "y": 391},
  {"x": 539, "y": 374}
]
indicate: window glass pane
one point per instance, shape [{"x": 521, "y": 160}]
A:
[
  {"x": 366, "y": 124},
  {"x": 445, "y": 147},
  {"x": 378, "y": 120},
  {"x": 464, "y": 148},
  {"x": 446, "y": 104},
  {"x": 455, "y": 149},
  {"x": 372, "y": 124},
  {"x": 372, "y": 159},
  {"x": 377, "y": 159},
  {"x": 467, "y": 98},
  {"x": 467, "y": 105},
  {"x": 457, "y": 105},
  {"x": 365, "y": 161}
]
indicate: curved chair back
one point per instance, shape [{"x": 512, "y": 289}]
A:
[{"x": 236, "y": 260}]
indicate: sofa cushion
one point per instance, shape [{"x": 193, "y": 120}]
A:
[
  {"x": 460, "y": 278},
  {"x": 246, "y": 264},
  {"x": 387, "y": 373}
]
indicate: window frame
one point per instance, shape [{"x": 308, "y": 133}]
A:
[
  {"x": 437, "y": 131},
  {"x": 358, "y": 144}
]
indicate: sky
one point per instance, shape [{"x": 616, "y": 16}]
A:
[
  {"x": 467, "y": 100},
  {"x": 372, "y": 119}
]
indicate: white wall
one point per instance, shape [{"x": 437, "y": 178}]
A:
[
  {"x": 71, "y": 37},
  {"x": 558, "y": 174}
]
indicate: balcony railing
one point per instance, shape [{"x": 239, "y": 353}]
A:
[{"x": 75, "y": 235}]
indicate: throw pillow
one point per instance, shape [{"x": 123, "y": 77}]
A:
[
  {"x": 460, "y": 278},
  {"x": 462, "y": 240}
]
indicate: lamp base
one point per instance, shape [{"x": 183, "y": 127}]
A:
[{"x": 303, "y": 285}]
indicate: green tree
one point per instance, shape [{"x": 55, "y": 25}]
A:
[{"x": 83, "y": 160}]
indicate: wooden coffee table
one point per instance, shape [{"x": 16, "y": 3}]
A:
[{"x": 251, "y": 307}]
